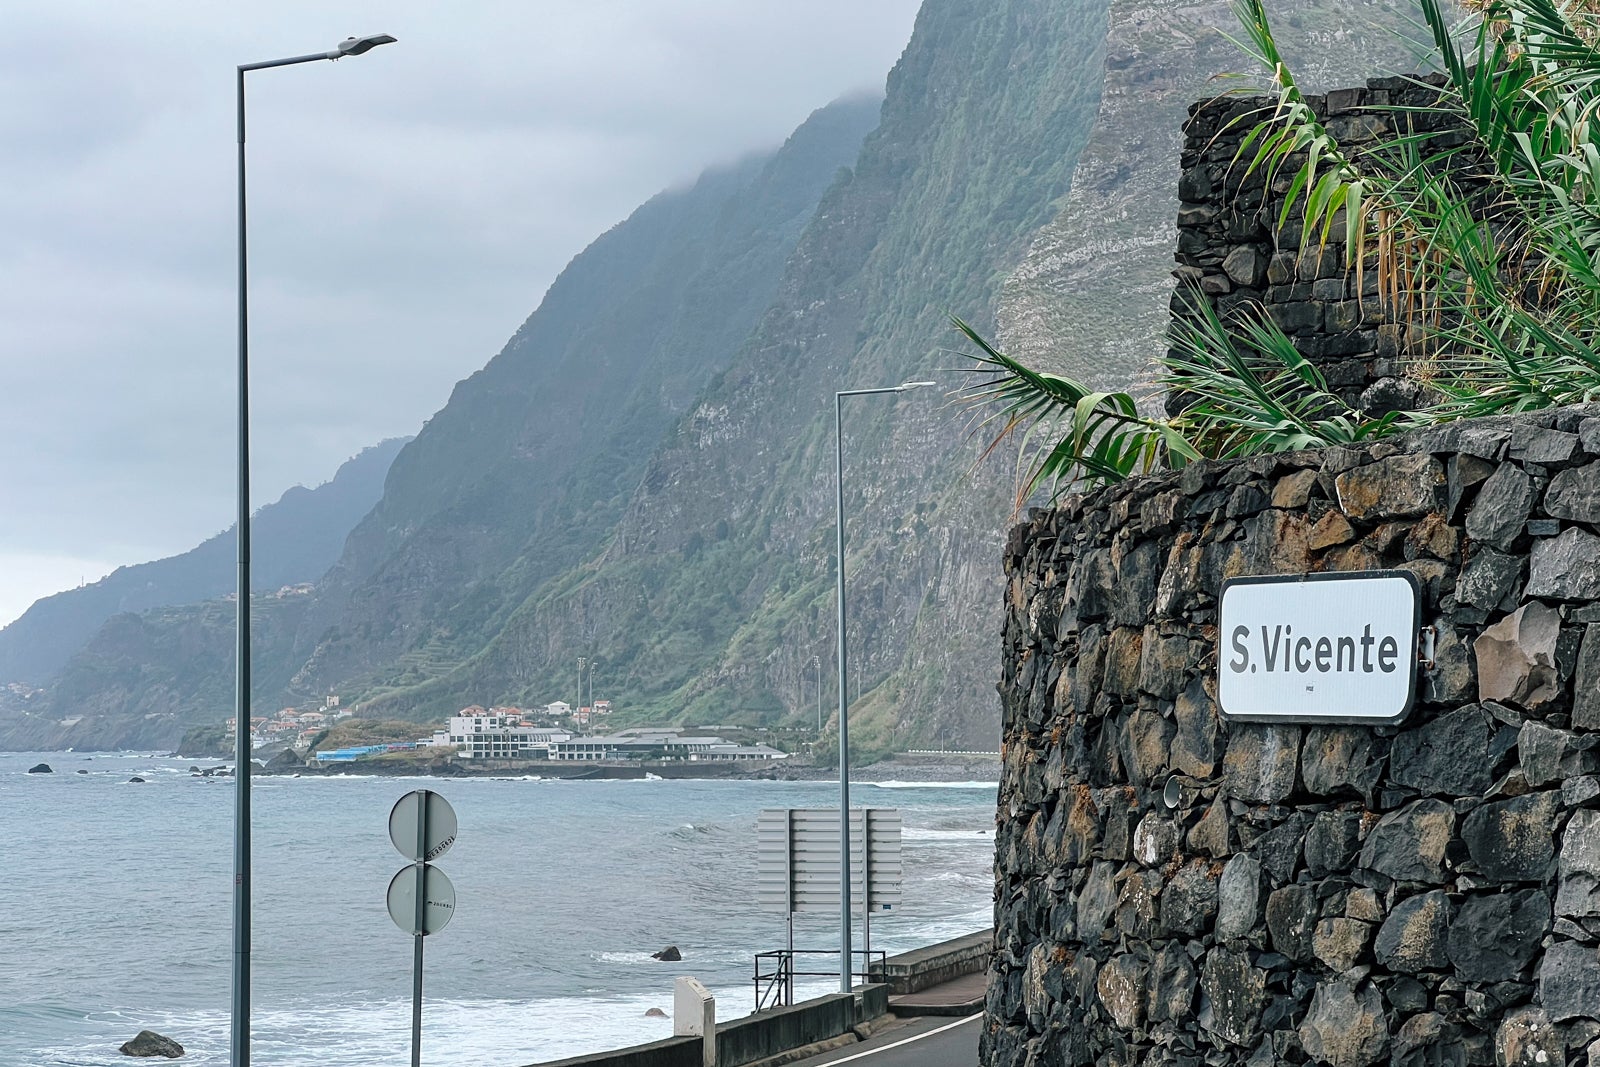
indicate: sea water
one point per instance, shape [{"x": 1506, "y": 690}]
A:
[{"x": 115, "y": 909}]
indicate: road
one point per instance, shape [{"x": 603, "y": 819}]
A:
[{"x": 920, "y": 1042}]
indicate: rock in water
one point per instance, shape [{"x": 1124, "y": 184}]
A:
[
  {"x": 82, "y": 771},
  {"x": 136, "y": 780},
  {"x": 670, "y": 954},
  {"x": 655, "y": 1013},
  {"x": 150, "y": 1043},
  {"x": 41, "y": 768}
]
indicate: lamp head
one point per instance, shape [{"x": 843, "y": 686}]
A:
[
  {"x": 355, "y": 46},
  {"x": 903, "y": 386}
]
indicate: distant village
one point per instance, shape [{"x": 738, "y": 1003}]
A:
[{"x": 556, "y": 731}]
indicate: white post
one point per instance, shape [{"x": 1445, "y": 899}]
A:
[{"x": 694, "y": 1014}]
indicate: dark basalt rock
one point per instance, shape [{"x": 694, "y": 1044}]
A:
[
  {"x": 1528, "y": 1038},
  {"x": 1448, "y": 755},
  {"x": 1189, "y": 901},
  {"x": 1494, "y": 936},
  {"x": 1408, "y": 845},
  {"x": 1513, "y": 840},
  {"x": 1489, "y": 581},
  {"x": 1238, "y": 897},
  {"x": 1261, "y": 762},
  {"x": 1426, "y": 895},
  {"x": 150, "y": 1043},
  {"x": 1566, "y": 567},
  {"x": 1413, "y": 938},
  {"x": 1569, "y": 980},
  {"x": 1338, "y": 757},
  {"x": 1428, "y": 1040},
  {"x": 1333, "y": 842},
  {"x": 670, "y": 954},
  {"x": 1345, "y": 1026},
  {"x": 1279, "y": 849},
  {"x": 1575, "y": 494},
  {"x": 1291, "y": 918},
  {"x": 1502, "y": 507},
  {"x": 1233, "y": 995},
  {"x": 41, "y": 768}
]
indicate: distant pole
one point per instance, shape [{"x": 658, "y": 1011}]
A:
[
  {"x": 818, "y": 661},
  {"x": 421, "y": 916},
  {"x": 239, "y": 1009},
  {"x": 844, "y": 709}
]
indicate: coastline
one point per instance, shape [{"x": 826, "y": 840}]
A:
[{"x": 919, "y": 767}]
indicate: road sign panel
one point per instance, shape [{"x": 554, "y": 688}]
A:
[
  {"x": 440, "y": 895},
  {"x": 437, "y": 836}
]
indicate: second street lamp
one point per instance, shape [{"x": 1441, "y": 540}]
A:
[
  {"x": 239, "y": 1008},
  {"x": 844, "y": 703}
]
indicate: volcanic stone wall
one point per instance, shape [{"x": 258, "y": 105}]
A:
[
  {"x": 1427, "y": 894},
  {"x": 1231, "y": 251}
]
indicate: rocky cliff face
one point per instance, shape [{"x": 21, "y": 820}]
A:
[
  {"x": 644, "y": 476},
  {"x": 716, "y": 591}
]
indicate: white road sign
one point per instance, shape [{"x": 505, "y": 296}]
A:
[
  {"x": 1338, "y": 648},
  {"x": 440, "y": 894},
  {"x": 439, "y": 834}
]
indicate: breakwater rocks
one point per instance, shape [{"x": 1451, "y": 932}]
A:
[{"x": 1173, "y": 888}]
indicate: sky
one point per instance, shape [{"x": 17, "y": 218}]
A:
[{"x": 408, "y": 209}]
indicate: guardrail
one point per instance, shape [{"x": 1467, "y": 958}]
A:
[{"x": 775, "y": 984}]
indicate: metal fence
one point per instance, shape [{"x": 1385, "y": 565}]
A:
[{"x": 776, "y": 971}]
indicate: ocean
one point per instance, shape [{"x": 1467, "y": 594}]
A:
[{"x": 115, "y": 898}]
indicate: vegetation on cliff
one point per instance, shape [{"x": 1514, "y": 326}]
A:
[{"x": 1479, "y": 221}]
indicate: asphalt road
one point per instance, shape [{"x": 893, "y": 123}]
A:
[{"x": 923, "y": 1042}]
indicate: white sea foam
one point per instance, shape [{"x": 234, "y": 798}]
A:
[
  {"x": 455, "y": 1032},
  {"x": 932, "y": 785},
  {"x": 920, "y": 833}
]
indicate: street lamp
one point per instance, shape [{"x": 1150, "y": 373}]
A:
[
  {"x": 817, "y": 662},
  {"x": 844, "y": 709},
  {"x": 239, "y": 1034}
]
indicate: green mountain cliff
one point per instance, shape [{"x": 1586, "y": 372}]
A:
[
  {"x": 644, "y": 476},
  {"x": 295, "y": 540}
]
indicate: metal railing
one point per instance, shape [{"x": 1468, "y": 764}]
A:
[{"x": 777, "y": 970}]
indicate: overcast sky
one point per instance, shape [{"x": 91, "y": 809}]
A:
[{"x": 408, "y": 210}]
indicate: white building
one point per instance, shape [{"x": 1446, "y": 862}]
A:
[
  {"x": 659, "y": 745},
  {"x": 559, "y": 709},
  {"x": 482, "y": 735}
]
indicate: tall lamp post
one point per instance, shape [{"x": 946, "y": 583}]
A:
[
  {"x": 239, "y": 1032},
  {"x": 817, "y": 661},
  {"x": 844, "y": 704}
]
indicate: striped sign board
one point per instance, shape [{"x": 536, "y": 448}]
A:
[{"x": 798, "y": 859}]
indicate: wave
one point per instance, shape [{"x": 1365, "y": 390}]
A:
[
  {"x": 456, "y": 1032},
  {"x": 892, "y": 784},
  {"x": 917, "y": 833}
]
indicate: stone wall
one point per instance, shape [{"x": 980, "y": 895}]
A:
[
  {"x": 1231, "y": 251},
  {"x": 1420, "y": 894}
]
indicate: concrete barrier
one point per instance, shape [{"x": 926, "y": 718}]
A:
[
  {"x": 669, "y": 1052},
  {"x": 754, "y": 1037},
  {"x": 923, "y": 968}
]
